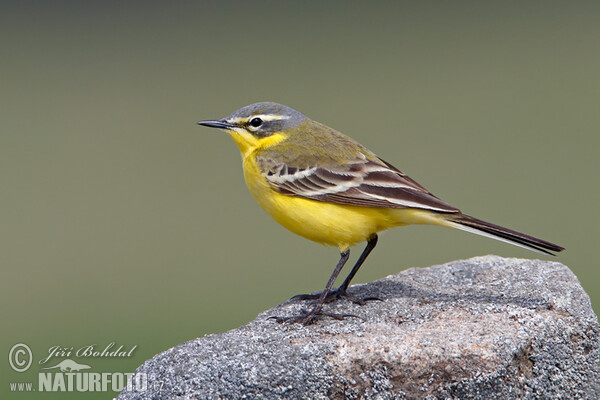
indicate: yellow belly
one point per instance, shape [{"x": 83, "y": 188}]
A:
[{"x": 327, "y": 223}]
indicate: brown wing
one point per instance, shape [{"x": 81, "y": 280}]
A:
[{"x": 362, "y": 182}]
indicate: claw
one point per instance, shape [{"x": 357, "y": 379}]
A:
[
  {"x": 306, "y": 318},
  {"x": 335, "y": 295}
]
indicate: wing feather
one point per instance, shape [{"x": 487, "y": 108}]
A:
[{"x": 362, "y": 182}]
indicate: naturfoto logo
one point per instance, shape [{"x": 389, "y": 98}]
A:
[{"x": 68, "y": 375}]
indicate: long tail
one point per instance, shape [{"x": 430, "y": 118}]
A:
[{"x": 479, "y": 227}]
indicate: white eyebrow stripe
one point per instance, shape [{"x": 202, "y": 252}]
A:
[
  {"x": 271, "y": 117},
  {"x": 264, "y": 117}
]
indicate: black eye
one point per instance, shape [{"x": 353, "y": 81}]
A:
[{"x": 256, "y": 122}]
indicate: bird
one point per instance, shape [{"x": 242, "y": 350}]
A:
[{"x": 328, "y": 188}]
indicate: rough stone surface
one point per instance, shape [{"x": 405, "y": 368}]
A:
[{"x": 483, "y": 328}]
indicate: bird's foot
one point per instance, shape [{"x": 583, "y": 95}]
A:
[
  {"x": 335, "y": 295},
  {"x": 308, "y": 317}
]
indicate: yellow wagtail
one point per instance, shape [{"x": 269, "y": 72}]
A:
[{"x": 326, "y": 187}]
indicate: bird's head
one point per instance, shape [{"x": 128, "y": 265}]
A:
[{"x": 258, "y": 124}]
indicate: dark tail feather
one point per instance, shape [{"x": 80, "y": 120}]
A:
[{"x": 477, "y": 226}]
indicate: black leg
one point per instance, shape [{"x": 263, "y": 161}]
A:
[
  {"x": 342, "y": 290},
  {"x": 308, "y": 316},
  {"x": 370, "y": 246}
]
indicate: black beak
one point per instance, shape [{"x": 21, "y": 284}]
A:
[{"x": 216, "y": 123}]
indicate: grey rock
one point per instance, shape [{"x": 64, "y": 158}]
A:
[{"x": 483, "y": 328}]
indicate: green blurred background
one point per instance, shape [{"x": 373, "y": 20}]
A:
[{"x": 123, "y": 221}]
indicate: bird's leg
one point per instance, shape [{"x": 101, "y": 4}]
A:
[
  {"x": 307, "y": 317},
  {"x": 342, "y": 290}
]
